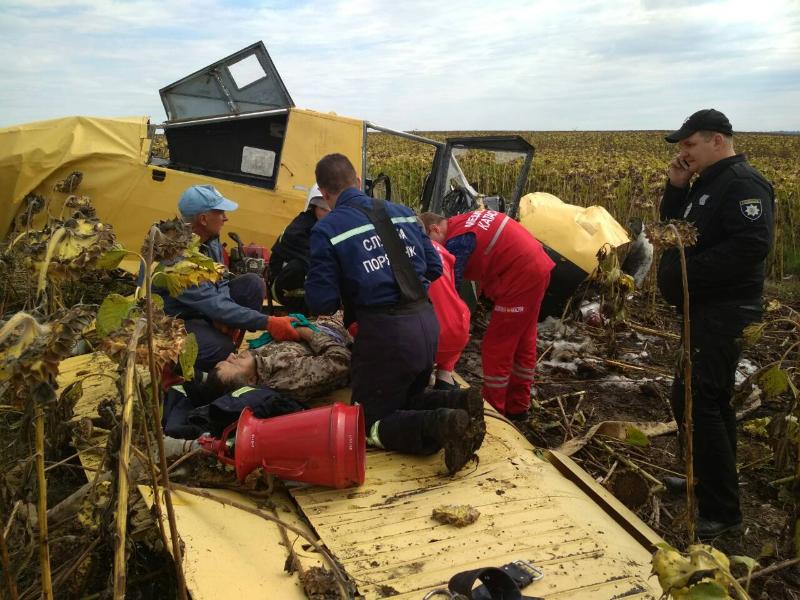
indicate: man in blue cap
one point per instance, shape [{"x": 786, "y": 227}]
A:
[
  {"x": 214, "y": 312},
  {"x": 731, "y": 205}
]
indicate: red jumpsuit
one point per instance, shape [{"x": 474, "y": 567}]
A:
[
  {"x": 451, "y": 311},
  {"x": 513, "y": 271}
]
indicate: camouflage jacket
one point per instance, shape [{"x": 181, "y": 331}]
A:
[{"x": 304, "y": 371}]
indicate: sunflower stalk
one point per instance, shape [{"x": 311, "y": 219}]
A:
[
  {"x": 688, "y": 404},
  {"x": 42, "y": 394},
  {"x": 154, "y": 378},
  {"x": 123, "y": 476}
]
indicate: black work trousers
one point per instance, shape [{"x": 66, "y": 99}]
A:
[
  {"x": 392, "y": 362},
  {"x": 716, "y": 345}
]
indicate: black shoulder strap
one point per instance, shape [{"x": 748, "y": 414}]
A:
[{"x": 405, "y": 275}]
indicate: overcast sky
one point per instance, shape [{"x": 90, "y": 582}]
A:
[{"x": 407, "y": 64}]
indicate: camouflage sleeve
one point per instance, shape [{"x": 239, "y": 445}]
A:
[
  {"x": 305, "y": 374},
  {"x": 329, "y": 368}
]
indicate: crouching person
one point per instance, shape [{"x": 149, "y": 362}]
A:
[
  {"x": 214, "y": 312},
  {"x": 451, "y": 311},
  {"x": 373, "y": 257}
]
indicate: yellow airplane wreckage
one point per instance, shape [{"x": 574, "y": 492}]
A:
[{"x": 234, "y": 125}]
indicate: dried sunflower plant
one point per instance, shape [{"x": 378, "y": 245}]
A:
[
  {"x": 132, "y": 330},
  {"x": 676, "y": 235}
]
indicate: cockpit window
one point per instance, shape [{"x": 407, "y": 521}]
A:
[{"x": 246, "y": 71}]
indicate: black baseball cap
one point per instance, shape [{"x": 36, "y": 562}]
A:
[{"x": 708, "y": 119}]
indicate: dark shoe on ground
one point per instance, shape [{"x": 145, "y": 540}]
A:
[
  {"x": 469, "y": 400},
  {"x": 473, "y": 402},
  {"x": 675, "y": 485},
  {"x": 442, "y": 385},
  {"x": 708, "y": 529},
  {"x": 519, "y": 418},
  {"x": 450, "y": 427}
]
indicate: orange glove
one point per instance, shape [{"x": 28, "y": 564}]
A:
[{"x": 281, "y": 330}]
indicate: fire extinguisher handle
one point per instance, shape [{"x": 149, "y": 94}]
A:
[{"x": 285, "y": 472}]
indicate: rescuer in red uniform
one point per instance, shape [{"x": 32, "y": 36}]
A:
[
  {"x": 513, "y": 271},
  {"x": 451, "y": 312}
]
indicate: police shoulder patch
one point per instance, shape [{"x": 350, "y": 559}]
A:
[{"x": 751, "y": 208}]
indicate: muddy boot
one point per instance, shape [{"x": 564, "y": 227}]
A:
[
  {"x": 469, "y": 400},
  {"x": 476, "y": 432},
  {"x": 450, "y": 428},
  {"x": 473, "y": 400}
]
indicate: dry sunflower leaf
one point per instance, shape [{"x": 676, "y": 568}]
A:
[
  {"x": 679, "y": 573},
  {"x": 174, "y": 237},
  {"x": 752, "y": 333},
  {"x": 663, "y": 234},
  {"x": 774, "y": 381},
  {"x": 70, "y": 183},
  {"x": 30, "y": 352}
]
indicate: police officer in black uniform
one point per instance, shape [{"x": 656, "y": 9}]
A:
[
  {"x": 731, "y": 205},
  {"x": 372, "y": 256}
]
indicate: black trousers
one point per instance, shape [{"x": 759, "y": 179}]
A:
[
  {"x": 392, "y": 362},
  {"x": 716, "y": 345},
  {"x": 247, "y": 290}
]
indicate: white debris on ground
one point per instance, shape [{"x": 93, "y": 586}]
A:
[
  {"x": 563, "y": 350},
  {"x": 744, "y": 370}
]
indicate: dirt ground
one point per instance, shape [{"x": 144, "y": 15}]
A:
[{"x": 582, "y": 381}]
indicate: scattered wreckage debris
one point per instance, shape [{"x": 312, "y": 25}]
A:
[
  {"x": 459, "y": 515},
  {"x": 319, "y": 583}
]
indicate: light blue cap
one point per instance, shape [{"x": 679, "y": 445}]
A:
[{"x": 203, "y": 198}]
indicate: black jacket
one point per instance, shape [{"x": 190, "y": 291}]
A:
[
  {"x": 732, "y": 206},
  {"x": 293, "y": 244}
]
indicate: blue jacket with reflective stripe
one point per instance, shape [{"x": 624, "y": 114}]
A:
[{"x": 349, "y": 263}]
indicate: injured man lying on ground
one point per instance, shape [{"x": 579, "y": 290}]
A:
[{"x": 274, "y": 379}]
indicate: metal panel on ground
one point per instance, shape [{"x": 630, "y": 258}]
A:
[{"x": 388, "y": 543}]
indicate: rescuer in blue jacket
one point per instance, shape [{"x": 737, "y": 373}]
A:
[
  {"x": 395, "y": 347},
  {"x": 214, "y": 311}
]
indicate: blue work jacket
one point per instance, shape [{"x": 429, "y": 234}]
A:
[
  {"x": 349, "y": 264},
  {"x": 212, "y": 301}
]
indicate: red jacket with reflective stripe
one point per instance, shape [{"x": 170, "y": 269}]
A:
[
  {"x": 507, "y": 260},
  {"x": 451, "y": 311}
]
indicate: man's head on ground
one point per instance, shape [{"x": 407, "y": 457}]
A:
[
  {"x": 204, "y": 208},
  {"x": 238, "y": 370},
  {"x": 435, "y": 226},
  {"x": 705, "y": 138},
  {"x": 335, "y": 173},
  {"x": 241, "y": 369},
  {"x": 318, "y": 203}
]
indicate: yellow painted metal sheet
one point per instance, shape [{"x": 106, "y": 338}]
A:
[
  {"x": 230, "y": 553},
  {"x": 385, "y": 538},
  {"x": 575, "y": 232},
  {"x": 112, "y": 155},
  {"x": 310, "y": 135},
  {"x": 383, "y": 535}
]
